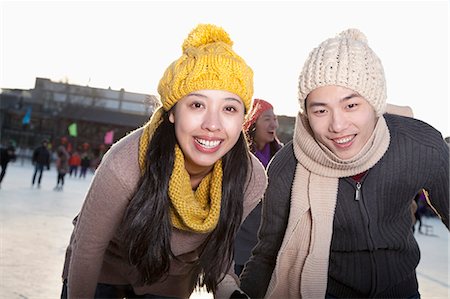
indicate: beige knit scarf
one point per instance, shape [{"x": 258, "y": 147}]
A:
[{"x": 302, "y": 263}]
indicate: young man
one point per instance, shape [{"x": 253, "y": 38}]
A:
[{"x": 336, "y": 217}]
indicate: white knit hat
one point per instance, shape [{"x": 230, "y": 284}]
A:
[{"x": 345, "y": 60}]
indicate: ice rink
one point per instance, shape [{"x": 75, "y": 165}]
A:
[{"x": 36, "y": 225}]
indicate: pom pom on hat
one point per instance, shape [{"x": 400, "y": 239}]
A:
[
  {"x": 208, "y": 62},
  {"x": 345, "y": 60},
  {"x": 206, "y": 34},
  {"x": 259, "y": 107},
  {"x": 354, "y": 34}
]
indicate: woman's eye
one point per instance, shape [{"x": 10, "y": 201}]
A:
[
  {"x": 196, "y": 105},
  {"x": 351, "y": 106},
  {"x": 230, "y": 109}
]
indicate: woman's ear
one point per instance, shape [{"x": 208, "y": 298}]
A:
[{"x": 171, "y": 116}]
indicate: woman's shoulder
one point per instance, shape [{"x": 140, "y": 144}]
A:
[
  {"x": 126, "y": 148},
  {"x": 257, "y": 182},
  {"x": 258, "y": 170},
  {"x": 122, "y": 158}
]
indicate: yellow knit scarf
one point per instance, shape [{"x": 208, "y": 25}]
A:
[{"x": 197, "y": 211}]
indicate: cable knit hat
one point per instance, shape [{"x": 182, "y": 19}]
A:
[
  {"x": 208, "y": 62},
  {"x": 259, "y": 107},
  {"x": 345, "y": 60}
]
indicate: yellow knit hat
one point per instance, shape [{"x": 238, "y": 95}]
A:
[{"x": 208, "y": 62}]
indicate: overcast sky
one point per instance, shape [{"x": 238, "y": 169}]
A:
[{"x": 130, "y": 44}]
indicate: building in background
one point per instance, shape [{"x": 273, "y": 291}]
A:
[
  {"x": 80, "y": 117},
  {"x": 71, "y": 114}
]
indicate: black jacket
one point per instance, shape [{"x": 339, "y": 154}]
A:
[
  {"x": 5, "y": 156},
  {"x": 41, "y": 156}
]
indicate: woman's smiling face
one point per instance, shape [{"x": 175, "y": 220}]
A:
[{"x": 208, "y": 124}]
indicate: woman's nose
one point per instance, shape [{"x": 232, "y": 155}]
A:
[{"x": 212, "y": 121}]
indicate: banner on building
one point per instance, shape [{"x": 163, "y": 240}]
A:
[
  {"x": 109, "y": 136},
  {"x": 27, "y": 117},
  {"x": 73, "y": 130}
]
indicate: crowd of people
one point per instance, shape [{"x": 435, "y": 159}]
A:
[
  {"x": 204, "y": 194},
  {"x": 66, "y": 162}
]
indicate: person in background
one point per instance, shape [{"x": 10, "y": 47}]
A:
[
  {"x": 74, "y": 163},
  {"x": 40, "y": 159},
  {"x": 84, "y": 164},
  {"x": 62, "y": 167},
  {"x": 336, "y": 217},
  {"x": 260, "y": 129},
  {"x": 7, "y": 154},
  {"x": 418, "y": 210},
  {"x": 165, "y": 204}
]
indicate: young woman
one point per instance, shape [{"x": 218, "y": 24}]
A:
[
  {"x": 261, "y": 131},
  {"x": 164, "y": 206}
]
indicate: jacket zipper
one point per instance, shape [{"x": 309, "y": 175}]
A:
[
  {"x": 358, "y": 191},
  {"x": 358, "y": 197}
]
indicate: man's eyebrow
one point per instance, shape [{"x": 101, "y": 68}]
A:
[
  {"x": 350, "y": 96},
  {"x": 314, "y": 104}
]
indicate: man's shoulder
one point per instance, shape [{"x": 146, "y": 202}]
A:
[
  {"x": 415, "y": 130},
  {"x": 284, "y": 160}
]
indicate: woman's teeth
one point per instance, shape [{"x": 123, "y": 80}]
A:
[{"x": 208, "y": 143}]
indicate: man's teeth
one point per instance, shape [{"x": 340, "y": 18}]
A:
[
  {"x": 208, "y": 143},
  {"x": 343, "y": 140}
]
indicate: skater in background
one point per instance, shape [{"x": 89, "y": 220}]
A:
[
  {"x": 62, "y": 167},
  {"x": 85, "y": 164},
  {"x": 7, "y": 154},
  {"x": 74, "y": 163},
  {"x": 40, "y": 159}
]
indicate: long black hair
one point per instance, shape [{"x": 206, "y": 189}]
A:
[{"x": 147, "y": 225}]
